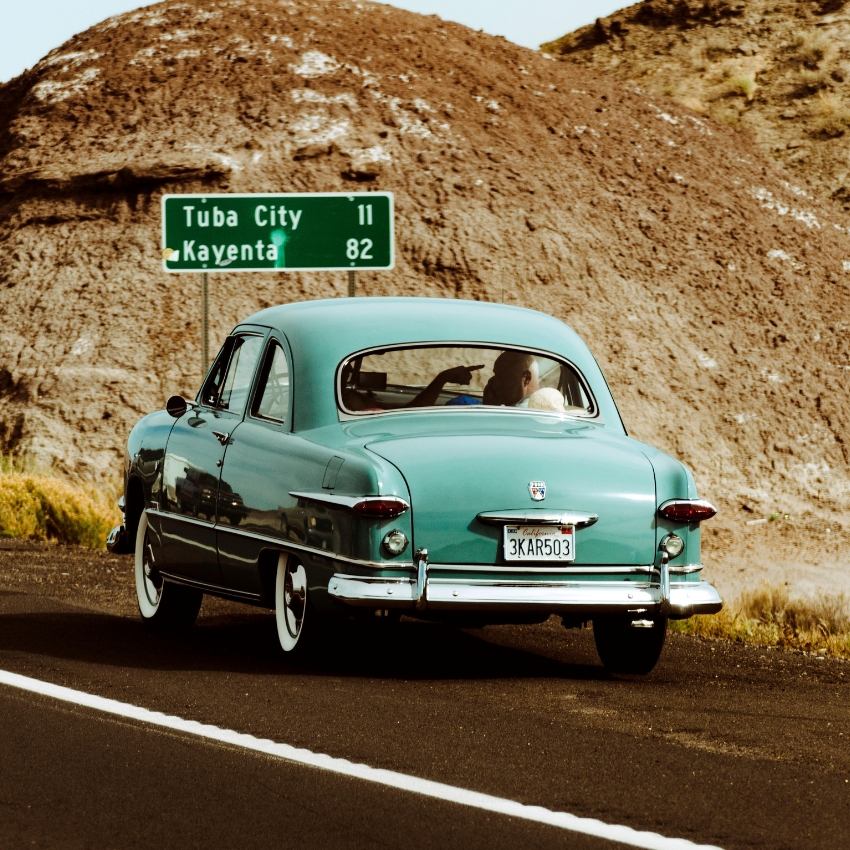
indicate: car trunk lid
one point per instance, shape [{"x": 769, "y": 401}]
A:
[{"x": 454, "y": 477}]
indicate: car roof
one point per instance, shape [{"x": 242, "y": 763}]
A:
[{"x": 322, "y": 333}]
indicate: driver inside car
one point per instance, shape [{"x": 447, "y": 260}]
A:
[{"x": 516, "y": 375}]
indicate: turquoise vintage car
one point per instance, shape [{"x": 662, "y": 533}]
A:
[{"x": 449, "y": 460}]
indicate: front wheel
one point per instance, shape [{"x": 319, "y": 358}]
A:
[
  {"x": 629, "y": 644},
  {"x": 163, "y": 605}
]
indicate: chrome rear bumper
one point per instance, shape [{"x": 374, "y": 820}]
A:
[{"x": 444, "y": 594}]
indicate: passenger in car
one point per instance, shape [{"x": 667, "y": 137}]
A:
[
  {"x": 546, "y": 398},
  {"x": 516, "y": 375}
]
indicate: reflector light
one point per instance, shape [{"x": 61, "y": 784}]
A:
[
  {"x": 381, "y": 508},
  {"x": 687, "y": 510}
]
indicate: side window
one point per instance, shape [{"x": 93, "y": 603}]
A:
[
  {"x": 272, "y": 399},
  {"x": 240, "y": 370},
  {"x": 213, "y": 384}
]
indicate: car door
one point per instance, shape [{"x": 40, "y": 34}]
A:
[
  {"x": 255, "y": 475},
  {"x": 193, "y": 460}
]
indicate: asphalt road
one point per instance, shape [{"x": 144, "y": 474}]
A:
[{"x": 721, "y": 744}]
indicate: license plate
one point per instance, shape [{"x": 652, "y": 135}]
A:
[{"x": 540, "y": 543}]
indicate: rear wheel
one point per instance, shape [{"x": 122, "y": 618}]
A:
[
  {"x": 163, "y": 605},
  {"x": 629, "y": 644},
  {"x": 290, "y": 603}
]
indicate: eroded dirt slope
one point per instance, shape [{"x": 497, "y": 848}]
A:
[
  {"x": 779, "y": 68},
  {"x": 713, "y": 289}
]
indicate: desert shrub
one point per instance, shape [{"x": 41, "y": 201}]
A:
[
  {"x": 25, "y": 464},
  {"x": 832, "y": 117},
  {"x": 813, "y": 47},
  {"x": 38, "y": 507},
  {"x": 769, "y": 616},
  {"x": 743, "y": 84},
  {"x": 813, "y": 79}
]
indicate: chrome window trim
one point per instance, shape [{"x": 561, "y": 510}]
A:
[
  {"x": 234, "y": 335},
  {"x": 270, "y": 344},
  {"x": 480, "y": 408},
  {"x": 350, "y": 415}
]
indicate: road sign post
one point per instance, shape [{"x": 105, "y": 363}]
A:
[
  {"x": 317, "y": 231},
  {"x": 205, "y": 327}
]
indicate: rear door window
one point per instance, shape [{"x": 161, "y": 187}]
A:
[{"x": 272, "y": 399}]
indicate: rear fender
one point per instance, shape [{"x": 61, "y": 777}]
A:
[{"x": 673, "y": 480}]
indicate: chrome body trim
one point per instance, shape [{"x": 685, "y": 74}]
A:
[
  {"x": 685, "y": 600},
  {"x": 686, "y": 569},
  {"x": 701, "y": 502},
  {"x": 664, "y": 583},
  {"x": 341, "y": 501},
  {"x": 189, "y": 520},
  {"x": 118, "y": 541},
  {"x": 283, "y": 543},
  {"x": 421, "y": 597},
  {"x": 210, "y": 588},
  {"x": 530, "y": 516},
  {"x": 536, "y": 569}
]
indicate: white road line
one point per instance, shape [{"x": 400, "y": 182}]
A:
[{"x": 438, "y": 790}]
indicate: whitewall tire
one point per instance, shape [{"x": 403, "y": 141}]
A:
[
  {"x": 290, "y": 602},
  {"x": 162, "y": 604}
]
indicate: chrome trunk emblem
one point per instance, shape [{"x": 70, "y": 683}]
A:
[{"x": 537, "y": 489}]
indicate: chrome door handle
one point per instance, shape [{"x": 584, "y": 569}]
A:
[{"x": 221, "y": 436}]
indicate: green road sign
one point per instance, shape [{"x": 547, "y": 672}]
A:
[{"x": 326, "y": 231}]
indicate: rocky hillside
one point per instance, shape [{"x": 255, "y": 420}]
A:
[
  {"x": 780, "y": 68},
  {"x": 711, "y": 286}
]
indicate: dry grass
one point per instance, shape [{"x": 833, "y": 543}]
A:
[
  {"x": 832, "y": 117},
  {"x": 41, "y": 507},
  {"x": 23, "y": 464},
  {"x": 744, "y": 84},
  {"x": 769, "y": 616},
  {"x": 813, "y": 79},
  {"x": 813, "y": 47}
]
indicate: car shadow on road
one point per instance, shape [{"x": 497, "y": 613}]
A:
[{"x": 247, "y": 643}]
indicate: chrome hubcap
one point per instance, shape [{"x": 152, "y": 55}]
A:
[
  {"x": 153, "y": 580},
  {"x": 295, "y": 599}
]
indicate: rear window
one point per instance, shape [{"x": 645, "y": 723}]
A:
[{"x": 460, "y": 376}]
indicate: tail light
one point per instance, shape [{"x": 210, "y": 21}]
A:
[
  {"x": 687, "y": 510},
  {"x": 380, "y": 507}
]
